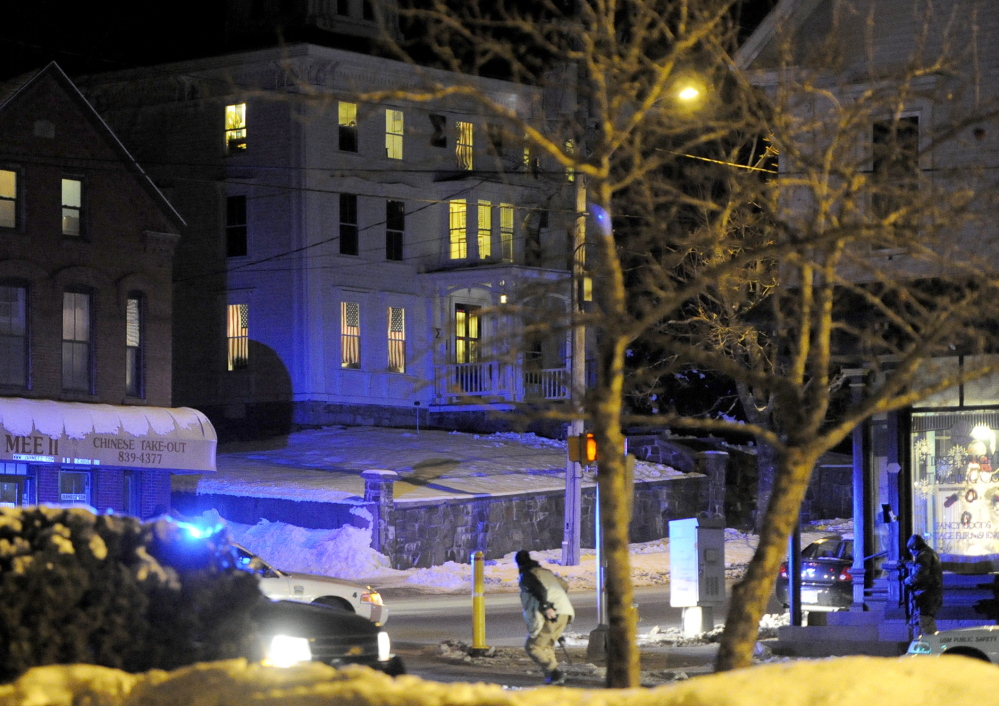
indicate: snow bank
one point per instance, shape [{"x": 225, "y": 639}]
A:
[
  {"x": 341, "y": 553},
  {"x": 873, "y": 681}
]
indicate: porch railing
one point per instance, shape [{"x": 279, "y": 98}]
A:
[
  {"x": 458, "y": 383},
  {"x": 551, "y": 384}
]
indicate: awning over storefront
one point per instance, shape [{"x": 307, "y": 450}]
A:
[{"x": 180, "y": 440}]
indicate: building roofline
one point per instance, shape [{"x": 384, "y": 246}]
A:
[
  {"x": 785, "y": 18},
  {"x": 26, "y": 81}
]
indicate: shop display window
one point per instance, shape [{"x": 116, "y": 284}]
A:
[{"x": 955, "y": 486}]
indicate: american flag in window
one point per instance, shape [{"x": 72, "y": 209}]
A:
[
  {"x": 350, "y": 335},
  {"x": 396, "y": 340}
]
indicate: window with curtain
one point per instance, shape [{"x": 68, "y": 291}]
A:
[
  {"x": 396, "y": 340},
  {"x": 133, "y": 346},
  {"x": 76, "y": 342},
  {"x": 465, "y": 144},
  {"x": 458, "y": 228},
  {"x": 238, "y": 336},
  {"x": 350, "y": 335},
  {"x": 485, "y": 229}
]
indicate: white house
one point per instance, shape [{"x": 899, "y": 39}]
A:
[{"x": 347, "y": 259}]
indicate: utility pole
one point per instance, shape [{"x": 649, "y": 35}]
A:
[{"x": 573, "y": 469}]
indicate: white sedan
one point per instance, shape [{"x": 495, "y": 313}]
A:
[
  {"x": 979, "y": 642},
  {"x": 308, "y": 588}
]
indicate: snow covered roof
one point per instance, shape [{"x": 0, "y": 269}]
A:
[
  {"x": 76, "y": 420},
  {"x": 81, "y": 433}
]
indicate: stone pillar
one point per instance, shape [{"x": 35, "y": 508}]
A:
[
  {"x": 378, "y": 493},
  {"x": 714, "y": 464}
]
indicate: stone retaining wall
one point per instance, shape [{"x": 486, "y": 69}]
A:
[{"x": 423, "y": 534}]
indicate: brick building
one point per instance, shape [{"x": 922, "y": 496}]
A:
[{"x": 86, "y": 247}]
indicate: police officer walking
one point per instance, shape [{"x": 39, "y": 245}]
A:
[
  {"x": 924, "y": 581},
  {"x": 547, "y": 612}
]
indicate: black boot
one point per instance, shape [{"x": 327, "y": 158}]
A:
[{"x": 556, "y": 677}]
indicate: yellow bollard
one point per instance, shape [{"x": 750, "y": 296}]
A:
[{"x": 479, "y": 648}]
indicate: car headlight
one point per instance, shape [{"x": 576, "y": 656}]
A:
[
  {"x": 918, "y": 647},
  {"x": 384, "y": 646},
  {"x": 287, "y": 651},
  {"x": 371, "y": 596}
]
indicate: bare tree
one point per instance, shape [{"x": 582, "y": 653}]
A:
[{"x": 858, "y": 257}]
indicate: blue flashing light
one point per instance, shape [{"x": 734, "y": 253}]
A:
[
  {"x": 195, "y": 532},
  {"x": 602, "y": 219}
]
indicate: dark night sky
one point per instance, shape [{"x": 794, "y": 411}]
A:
[{"x": 87, "y": 37}]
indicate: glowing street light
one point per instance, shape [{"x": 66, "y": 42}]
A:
[{"x": 688, "y": 93}]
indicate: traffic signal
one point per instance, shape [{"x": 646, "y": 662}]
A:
[{"x": 582, "y": 448}]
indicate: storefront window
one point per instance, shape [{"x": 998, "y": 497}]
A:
[
  {"x": 74, "y": 487},
  {"x": 17, "y": 487},
  {"x": 955, "y": 479}
]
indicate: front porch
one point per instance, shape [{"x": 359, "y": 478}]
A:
[{"x": 494, "y": 381}]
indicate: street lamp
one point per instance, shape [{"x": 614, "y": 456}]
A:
[{"x": 688, "y": 93}]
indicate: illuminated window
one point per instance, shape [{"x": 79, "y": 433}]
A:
[
  {"x": 506, "y": 231},
  {"x": 76, "y": 342},
  {"x": 235, "y": 226},
  {"x": 348, "y": 127},
  {"x": 350, "y": 335},
  {"x": 485, "y": 229},
  {"x": 348, "y": 225},
  {"x": 396, "y": 340},
  {"x": 8, "y": 198},
  {"x": 235, "y": 128},
  {"x": 458, "y": 228},
  {"x": 393, "y": 134},
  {"x": 133, "y": 346},
  {"x": 395, "y": 228},
  {"x": 13, "y": 336},
  {"x": 466, "y": 333},
  {"x": 238, "y": 336},
  {"x": 570, "y": 149},
  {"x": 463, "y": 150},
  {"x": 72, "y": 200}
]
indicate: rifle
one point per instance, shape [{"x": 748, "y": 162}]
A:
[
  {"x": 903, "y": 590},
  {"x": 561, "y": 642}
]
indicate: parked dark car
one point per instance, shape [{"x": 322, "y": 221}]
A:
[
  {"x": 826, "y": 582},
  {"x": 291, "y": 632}
]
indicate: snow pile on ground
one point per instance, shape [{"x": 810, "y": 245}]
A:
[
  {"x": 346, "y": 553},
  {"x": 341, "y": 553},
  {"x": 870, "y": 681}
]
